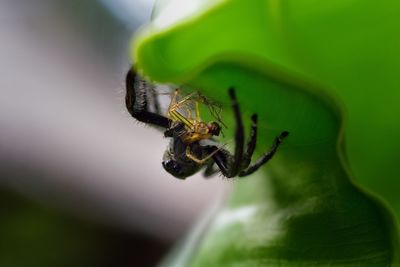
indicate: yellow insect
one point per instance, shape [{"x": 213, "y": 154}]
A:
[{"x": 186, "y": 110}]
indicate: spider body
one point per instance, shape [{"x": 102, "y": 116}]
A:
[
  {"x": 176, "y": 160},
  {"x": 192, "y": 147}
]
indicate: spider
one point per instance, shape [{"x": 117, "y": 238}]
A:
[{"x": 192, "y": 147}]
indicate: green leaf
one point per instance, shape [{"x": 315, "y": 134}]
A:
[{"x": 288, "y": 60}]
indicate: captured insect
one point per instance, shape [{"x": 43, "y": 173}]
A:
[
  {"x": 193, "y": 147},
  {"x": 185, "y": 110}
]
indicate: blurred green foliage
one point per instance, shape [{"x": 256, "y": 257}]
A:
[
  {"x": 32, "y": 235},
  {"x": 35, "y": 236},
  {"x": 303, "y": 209}
]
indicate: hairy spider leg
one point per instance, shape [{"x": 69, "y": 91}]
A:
[
  {"x": 266, "y": 157},
  {"x": 156, "y": 104},
  {"x": 239, "y": 136},
  {"x": 223, "y": 159},
  {"x": 136, "y": 101},
  {"x": 251, "y": 145},
  {"x": 232, "y": 165},
  {"x": 210, "y": 169}
]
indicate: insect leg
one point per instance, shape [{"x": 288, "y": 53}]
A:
[
  {"x": 197, "y": 111},
  {"x": 173, "y": 101},
  {"x": 200, "y": 161},
  {"x": 266, "y": 157},
  {"x": 136, "y": 102}
]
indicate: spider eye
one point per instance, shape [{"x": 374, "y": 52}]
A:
[{"x": 173, "y": 168}]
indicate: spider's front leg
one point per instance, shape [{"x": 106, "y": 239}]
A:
[
  {"x": 239, "y": 163},
  {"x": 246, "y": 168},
  {"x": 266, "y": 157},
  {"x": 224, "y": 161},
  {"x": 210, "y": 169},
  {"x": 234, "y": 166},
  {"x": 136, "y": 101},
  {"x": 230, "y": 165}
]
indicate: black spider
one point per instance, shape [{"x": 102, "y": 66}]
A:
[{"x": 184, "y": 158}]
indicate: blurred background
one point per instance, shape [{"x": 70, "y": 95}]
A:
[{"x": 81, "y": 182}]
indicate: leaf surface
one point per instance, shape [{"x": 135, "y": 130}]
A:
[{"x": 289, "y": 61}]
